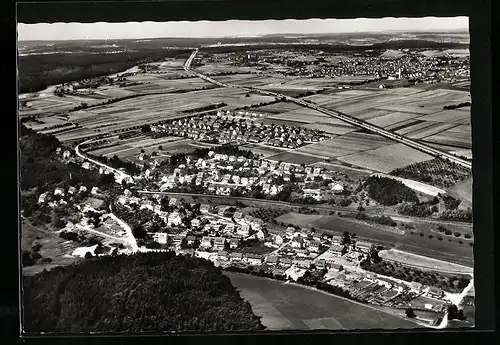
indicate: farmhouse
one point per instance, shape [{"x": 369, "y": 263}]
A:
[
  {"x": 160, "y": 237},
  {"x": 219, "y": 243},
  {"x": 272, "y": 259},
  {"x": 233, "y": 243},
  {"x": 363, "y": 246},
  {"x": 42, "y": 198},
  {"x": 236, "y": 256},
  {"x": 206, "y": 242},
  {"x": 435, "y": 292},
  {"x": 278, "y": 240},
  {"x": 335, "y": 250}
]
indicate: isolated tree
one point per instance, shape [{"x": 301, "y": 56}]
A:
[
  {"x": 88, "y": 255},
  {"x": 346, "y": 238},
  {"x": 410, "y": 312}
]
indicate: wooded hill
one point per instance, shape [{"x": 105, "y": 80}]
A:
[{"x": 140, "y": 292}]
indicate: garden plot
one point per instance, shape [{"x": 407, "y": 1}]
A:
[{"x": 386, "y": 158}]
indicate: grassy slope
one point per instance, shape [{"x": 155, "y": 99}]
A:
[{"x": 287, "y": 306}]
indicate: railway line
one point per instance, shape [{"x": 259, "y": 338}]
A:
[{"x": 338, "y": 115}]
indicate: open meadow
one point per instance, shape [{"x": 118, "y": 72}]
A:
[
  {"x": 285, "y": 306},
  {"x": 423, "y": 262}
]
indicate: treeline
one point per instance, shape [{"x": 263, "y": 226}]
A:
[
  {"x": 36, "y": 72},
  {"x": 456, "y": 106},
  {"x": 141, "y": 292},
  {"x": 416, "y": 209},
  {"x": 388, "y": 191},
  {"x": 383, "y": 220},
  {"x": 458, "y": 215},
  {"x": 450, "y": 202}
]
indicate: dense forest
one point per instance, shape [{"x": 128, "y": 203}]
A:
[
  {"x": 388, "y": 191},
  {"x": 141, "y": 292},
  {"x": 40, "y": 166},
  {"x": 36, "y": 72}
]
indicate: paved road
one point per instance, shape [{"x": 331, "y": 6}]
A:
[
  {"x": 121, "y": 175},
  {"x": 339, "y": 115}
]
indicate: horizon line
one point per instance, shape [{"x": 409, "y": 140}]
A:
[{"x": 457, "y": 30}]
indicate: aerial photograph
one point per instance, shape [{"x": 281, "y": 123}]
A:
[{"x": 223, "y": 176}]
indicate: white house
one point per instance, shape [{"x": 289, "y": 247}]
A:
[
  {"x": 94, "y": 190},
  {"x": 174, "y": 219},
  {"x": 86, "y": 165},
  {"x": 336, "y": 249},
  {"x": 243, "y": 230},
  {"x": 278, "y": 240},
  {"x": 160, "y": 237},
  {"x": 260, "y": 235},
  {"x": 82, "y": 189},
  {"x": 206, "y": 242},
  {"x": 337, "y": 187},
  {"x": 59, "y": 191},
  {"x": 42, "y": 198}
]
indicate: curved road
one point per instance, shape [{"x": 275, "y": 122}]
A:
[
  {"x": 120, "y": 174},
  {"x": 339, "y": 115}
]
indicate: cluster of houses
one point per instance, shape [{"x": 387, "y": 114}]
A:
[
  {"x": 223, "y": 129},
  {"x": 221, "y": 173},
  {"x": 61, "y": 196}
]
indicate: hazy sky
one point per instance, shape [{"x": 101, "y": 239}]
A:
[{"x": 200, "y": 29}]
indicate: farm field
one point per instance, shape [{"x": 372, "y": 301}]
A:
[
  {"x": 387, "y": 158},
  {"x": 293, "y": 307},
  {"x": 264, "y": 150},
  {"x": 329, "y": 128},
  {"x": 458, "y": 136},
  {"x": 295, "y": 158},
  {"x": 457, "y": 116},
  {"x": 423, "y": 262},
  {"x": 445, "y": 250},
  {"x": 344, "y": 145}
]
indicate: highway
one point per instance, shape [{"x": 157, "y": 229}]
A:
[{"x": 338, "y": 115}]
